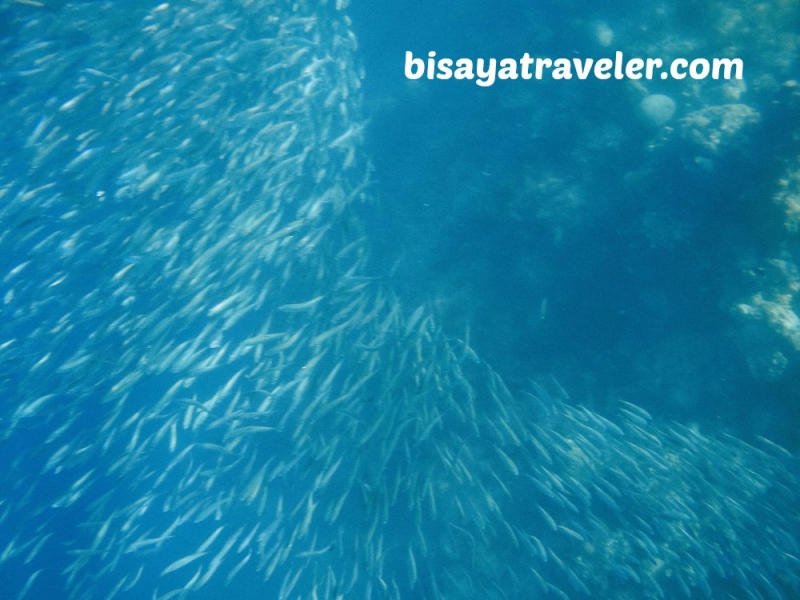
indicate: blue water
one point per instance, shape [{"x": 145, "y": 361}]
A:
[
  {"x": 647, "y": 247},
  {"x": 584, "y": 250}
]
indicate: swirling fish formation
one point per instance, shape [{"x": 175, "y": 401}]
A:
[{"x": 208, "y": 391}]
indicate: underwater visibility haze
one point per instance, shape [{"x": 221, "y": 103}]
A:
[{"x": 277, "y": 322}]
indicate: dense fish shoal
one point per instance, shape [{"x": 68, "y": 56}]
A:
[{"x": 208, "y": 387}]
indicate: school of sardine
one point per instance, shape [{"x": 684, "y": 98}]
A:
[{"x": 207, "y": 390}]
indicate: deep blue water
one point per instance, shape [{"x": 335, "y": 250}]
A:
[
  {"x": 577, "y": 243},
  {"x": 645, "y": 254}
]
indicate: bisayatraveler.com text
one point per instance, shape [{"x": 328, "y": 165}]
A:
[{"x": 485, "y": 71}]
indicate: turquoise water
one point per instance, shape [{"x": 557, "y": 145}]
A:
[{"x": 278, "y": 322}]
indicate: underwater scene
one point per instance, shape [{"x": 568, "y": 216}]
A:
[{"x": 343, "y": 299}]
